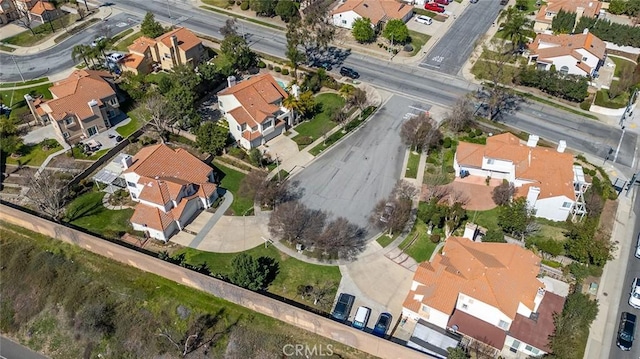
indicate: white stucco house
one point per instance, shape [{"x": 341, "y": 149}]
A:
[
  {"x": 549, "y": 9},
  {"x": 254, "y": 110},
  {"x": 581, "y": 54},
  {"x": 552, "y": 184},
  {"x": 378, "y": 11},
  {"x": 170, "y": 186},
  {"x": 487, "y": 292}
]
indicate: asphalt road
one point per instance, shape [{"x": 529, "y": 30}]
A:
[
  {"x": 12, "y": 350},
  {"x": 428, "y": 85},
  {"x": 633, "y": 270},
  {"x": 352, "y": 177},
  {"x": 58, "y": 58},
  {"x": 454, "y": 48}
]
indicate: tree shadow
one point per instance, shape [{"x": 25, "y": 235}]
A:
[{"x": 84, "y": 211}]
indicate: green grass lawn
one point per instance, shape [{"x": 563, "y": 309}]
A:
[
  {"x": 321, "y": 122},
  {"x": 418, "y": 40},
  {"x": 603, "y": 100},
  {"x": 231, "y": 181},
  {"x": 622, "y": 64},
  {"x": 293, "y": 272},
  {"x": 75, "y": 30},
  {"x": 26, "y": 83},
  {"x": 487, "y": 219},
  {"x": 7, "y": 48},
  {"x": 121, "y": 35},
  {"x": 218, "y": 3},
  {"x": 26, "y": 38},
  {"x": 127, "y": 41},
  {"x": 79, "y": 154},
  {"x": 155, "y": 78},
  {"x": 87, "y": 211},
  {"x": 32, "y": 155},
  {"x": 412, "y": 165},
  {"x": 385, "y": 239},
  {"x": 422, "y": 248},
  {"x": 556, "y": 105},
  {"x": 15, "y": 98},
  {"x": 131, "y": 127},
  {"x": 483, "y": 70}
]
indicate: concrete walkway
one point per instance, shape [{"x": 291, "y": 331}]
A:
[
  {"x": 228, "y": 199},
  {"x": 51, "y": 156},
  {"x": 107, "y": 205}
]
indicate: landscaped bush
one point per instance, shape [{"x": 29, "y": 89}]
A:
[
  {"x": 603, "y": 100},
  {"x": 238, "y": 153},
  {"x": 277, "y": 69},
  {"x": 446, "y": 143},
  {"x": 231, "y": 2},
  {"x": 435, "y": 238},
  {"x": 619, "y": 34},
  {"x": 269, "y": 67},
  {"x": 245, "y": 5},
  {"x": 304, "y": 140},
  {"x": 586, "y": 104},
  {"x": 408, "y": 48},
  {"x": 450, "y": 169},
  {"x": 262, "y": 65},
  {"x": 285, "y": 71},
  {"x": 569, "y": 87}
]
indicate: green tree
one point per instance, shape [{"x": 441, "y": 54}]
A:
[
  {"x": 256, "y": 157},
  {"x": 287, "y": 10},
  {"x": 563, "y": 22},
  {"x": 238, "y": 53},
  {"x": 572, "y": 327},
  {"x": 618, "y": 7},
  {"x": 264, "y": 7},
  {"x": 11, "y": 141},
  {"x": 522, "y": 5},
  {"x": 251, "y": 273},
  {"x": 363, "y": 31},
  {"x": 295, "y": 57},
  {"x": 515, "y": 26},
  {"x": 135, "y": 85},
  {"x": 150, "y": 27},
  {"x": 633, "y": 8},
  {"x": 550, "y": 247},
  {"x": 80, "y": 52},
  {"x": 456, "y": 353},
  {"x": 396, "y": 31},
  {"x": 494, "y": 235},
  {"x": 211, "y": 138},
  {"x": 516, "y": 217}
]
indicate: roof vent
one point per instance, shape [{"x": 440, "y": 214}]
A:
[
  {"x": 533, "y": 140},
  {"x": 585, "y": 31},
  {"x": 365, "y": 5},
  {"x": 562, "y": 145},
  {"x": 92, "y": 103}
]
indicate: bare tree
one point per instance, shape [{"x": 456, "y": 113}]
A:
[
  {"x": 341, "y": 239},
  {"x": 420, "y": 132},
  {"x": 503, "y": 193},
  {"x": 461, "y": 114},
  {"x": 495, "y": 96},
  {"x": 204, "y": 330},
  {"x": 23, "y": 17},
  {"x": 391, "y": 214},
  {"x": 49, "y": 192},
  {"x": 268, "y": 193},
  {"x": 230, "y": 27},
  {"x": 358, "y": 98},
  {"x": 436, "y": 187},
  {"x": 321, "y": 293},
  {"x": 339, "y": 116},
  {"x": 296, "y": 223},
  {"x": 158, "y": 114},
  {"x": 404, "y": 190}
]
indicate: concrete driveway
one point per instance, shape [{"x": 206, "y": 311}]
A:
[
  {"x": 286, "y": 150},
  {"x": 349, "y": 179}
]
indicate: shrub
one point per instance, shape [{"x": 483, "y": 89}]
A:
[
  {"x": 450, "y": 169},
  {"x": 304, "y": 140},
  {"x": 277, "y": 69},
  {"x": 262, "y": 65},
  {"x": 238, "y": 153},
  {"x": 231, "y": 2},
  {"x": 244, "y": 6},
  {"x": 446, "y": 143},
  {"x": 478, "y": 132},
  {"x": 285, "y": 71},
  {"x": 408, "y": 48},
  {"x": 435, "y": 238},
  {"x": 269, "y": 67},
  {"x": 586, "y": 104},
  {"x": 238, "y": 2}
]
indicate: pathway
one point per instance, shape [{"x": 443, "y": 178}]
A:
[{"x": 228, "y": 199}]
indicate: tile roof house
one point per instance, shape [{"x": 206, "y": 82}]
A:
[
  {"x": 170, "y": 186},
  {"x": 581, "y": 54},
  {"x": 8, "y": 11},
  {"x": 176, "y": 47},
  {"x": 82, "y": 106},
  {"x": 378, "y": 11},
  {"x": 253, "y": 108},
  {"x": 482, "y": 291},
  {"x": 552, "y": 184},
  {"x": 44, "y": 11},
  {"x": 544, "y": 17},
  {"x": 24, "y": 5}
]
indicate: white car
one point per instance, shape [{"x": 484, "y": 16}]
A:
[
  {"x": 97, "y": 40},
  {"x": 638, "y": 247},
  {"x": 115, "y": 57},
  {"x": 634, "y": 299},
  {"x": 424, "y": 20}
]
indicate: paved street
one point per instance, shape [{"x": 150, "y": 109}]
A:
[
  {"x": 454, "y": 48},
  {"x": 353, "y": 176},
  {"x": 11, "y": 350}
]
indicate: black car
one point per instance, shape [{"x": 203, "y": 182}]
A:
[
  {"x": 349, "y": 72},
  {"x": 343, "y": 307},
  {"x": 322, "y": 64},
  {"x": 382, "y": 325},
  {"x": 626, "y": 331}
]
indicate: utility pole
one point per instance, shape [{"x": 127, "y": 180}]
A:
[
  {"x": 18, "y": 67},
  {"x": 615, "y": 157}
]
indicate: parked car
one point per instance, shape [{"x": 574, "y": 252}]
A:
[
  {"x": 97, "y": 40},
  {"x": 389, "y": 207},
  {"x": 362, "y": 318},
  {"x": 322, "y": 64},
  {"x": 504, "y": 2},
  {"x": 349, "y": 72},
  {"x": 473, "y": 1},
  {"x": 115, "y": 57},
  {"x": 434, "y": 7},
  {"x": 442, "y": 2},
  {"x": 626, "y": 331},
  {"x": 343, "y": 307},
  {"x": 634, "y": 298},
  {"x": 638, "y": 247},
  {"x": 382, "y": 325},
  {"x": 424, "y": 20}
]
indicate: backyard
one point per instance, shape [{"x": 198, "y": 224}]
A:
[
  {"x": 321, "y": 123},
  {"x": 35, "y": 154},
  {"x": 14, "y": 98},
  {"x": 86, "y": 211},
  {"x": 418, "y": 245},
  {"x": 292, "y": 272},
  {"x": 230, "y": 180}
]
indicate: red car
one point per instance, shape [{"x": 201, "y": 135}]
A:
[
  {"x": 442, "y": 2},
  {"x": 434, "y": 7}
]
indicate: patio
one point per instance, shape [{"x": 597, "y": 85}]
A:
[{"x": 477, "y": 191}]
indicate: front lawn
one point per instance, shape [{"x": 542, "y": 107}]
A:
[
  {"x": 127, "y": 41},
  {"x": 603, "y": 100},
  {"x": 412, "y": 165},
  {"x": 15, "y": 98},
  {"x": 622, "y": 65},
  {"x": 27, "y": 38},
  {"x": 321, "y": 123},
  {"x": 231, "y": 181},
  {"x": 292, "y": 272},
  {"x": 422, "y": 248},
  {"x": 385, "y": 239},
  {"x": 34, "y": 155},
  {"x": 487, "y": 219},
  {"x": 87, "y": 211},
  {"x": 418, "y": 40}
]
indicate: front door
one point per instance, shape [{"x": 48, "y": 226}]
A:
[{"x": 92, "y": 131}]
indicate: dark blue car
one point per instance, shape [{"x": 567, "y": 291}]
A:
[{"x": 382, "y": 325}]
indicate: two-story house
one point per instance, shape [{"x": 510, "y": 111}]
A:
[
  {"x": 548, "y": 178},
  {"x": 378, "y": 11},
  {"x": 483, "y": 291},
  {"x": 44, "y": 11},
  {"x": 253, "y": 108},
  {"x": 176, "y": 47},
  {"x": 82, "y": 106},
  {"x": 170, "y": 186},
  {"x": 581, "y": 54},
  {"x": 548, "y": 10},
  {"x": 8, "y": 11}
]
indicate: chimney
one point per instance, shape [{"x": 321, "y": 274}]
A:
[
  {"x": 585, "y": 31},
  {"x": 176, "y": 49},
  {"x": 231, "y": 81},
  {"x": 532, "y": 196},
  {"x": 562, "y": 145},
  {"x": 127, "y": 161},
  {"x": 533, "y": 141},
  {"x": 470, "y": 230},
  {"x": 93, "y": 104},
  {"x": 33, "y": 109}
]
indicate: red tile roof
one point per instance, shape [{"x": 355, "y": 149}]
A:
[
  {"x": 376, "y": 10},
  {"x": 162, "y": 161},
  {"x": 186, "y": 39},
  {"x": 477, "y": 329},
  {"x": 141, "y": 44},
  {"x": 550, "y": 46},
  {"x": 152, "y": 217},
  {"x": 257, "y": 97},
  {"x": 536, "y": 332},
  {"x": 549, "y": 169},
  {"x": 41, "y": 7},
  {"x": 591, "y": 8},
  {"x": 72, "y": 95}
]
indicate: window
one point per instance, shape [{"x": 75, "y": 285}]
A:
[
  {"x": 535, "y": 351},
  {"x": 65, "y": 135},
  {"x": 515, "y": 345},
  {"x": 131, "y": 184},
  {"x": 239, "y": 129},
  {"x": 464, "y": 306},
  {"x": 267, "y": 124},
  {"x": 564, "y": 70},
  {"x": 68, "y": 121},
  {"x": 566, "y": 205},
  {"x": 584, "y": 58},
  {"x": 490, "y": 161},
  {"x": 504, "y": 325},
  {"x": 528, "y": 348},
  {"x": 344, "y": 22}
]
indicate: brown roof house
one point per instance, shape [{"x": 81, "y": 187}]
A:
[
  {"x": 176, "y": 47},
  {"x": 553, "y": 185},
  {"x": 170, "y": 186},
  {"x": 378, "y": 11},
  {"x": 253, "y": 108},
  {"x": 587, "y": 8},
  {"x": 44, "y": 11},
  {"x": 581, "y": 54},
  {"x": 83, "y": 105},
  {"x": 482, "y": 290},
  {"x": 8, "y": 11}
]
